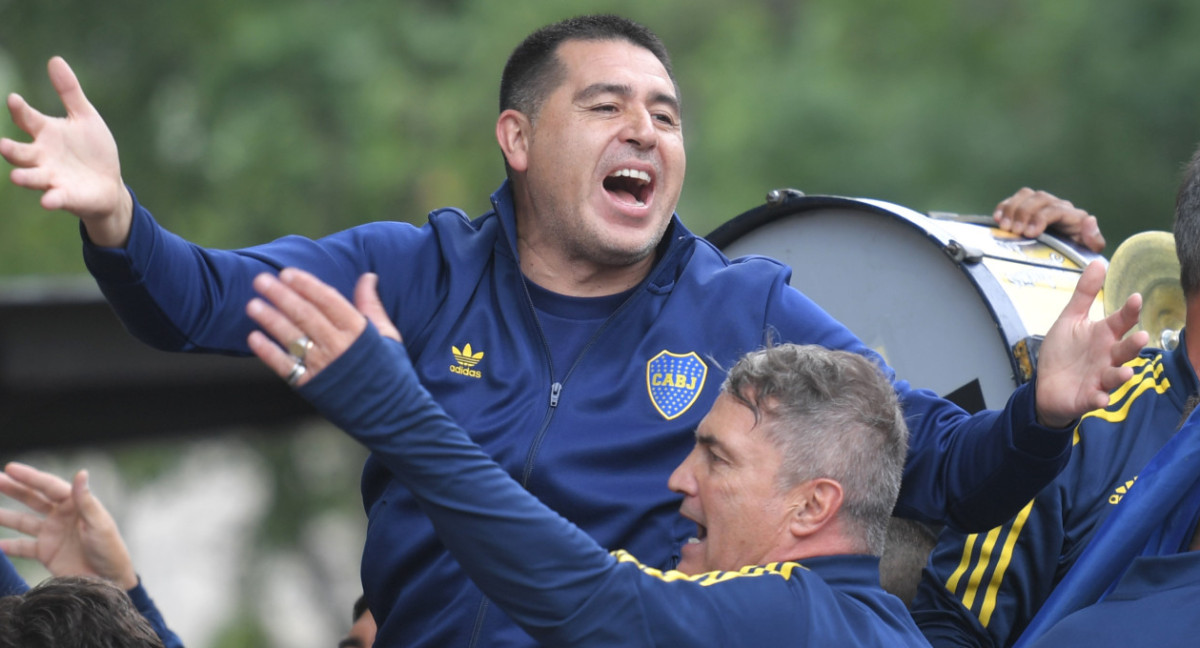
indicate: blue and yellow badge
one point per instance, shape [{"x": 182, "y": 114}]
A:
[{"x": 675, "y": 381}]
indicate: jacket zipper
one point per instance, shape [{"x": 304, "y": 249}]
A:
[{"x": 555, "y": 394}]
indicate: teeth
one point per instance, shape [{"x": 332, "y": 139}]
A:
[
  {"x": 640, "y": 176},
  {"x": 693, "y": 540}
]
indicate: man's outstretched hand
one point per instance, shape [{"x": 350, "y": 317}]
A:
[
  {"x": 72, "y": 160},
  {"x": 1081, "y": 360}
]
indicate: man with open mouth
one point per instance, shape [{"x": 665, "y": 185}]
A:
[{"x": 578, "y": 330}]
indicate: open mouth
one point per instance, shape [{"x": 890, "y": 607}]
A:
[
  {"x": 629, "y": 186},
  {"x": 701, "y": 535}
]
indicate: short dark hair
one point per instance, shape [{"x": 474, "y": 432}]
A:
[
  {"x": 533, "y": 69},
  {"x": 74, "y": 611},
  {"x": 1187, "y": 227},
  {"x": 832, "y": 414}
]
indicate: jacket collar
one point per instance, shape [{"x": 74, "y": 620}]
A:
[{"x": 672, "y": 252}]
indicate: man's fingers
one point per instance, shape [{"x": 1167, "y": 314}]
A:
[
  {"x": 35, "y": 178},
  {"x": 1086, "y": 289},
  {"x": 339, "y": 312},
  {"x": 1099, "y": 399},
  {"x": 1112, "y": 378},
  {"x": 290, "y": 315},
  {"x": 88, "y": 505},
  {"x": 1030, "y": 219},
  {"x": 1030, "y": 213},
  {"x": 1128, "y": 348},
  {"x": 26, "y": 117},
  {"x": 54, "y": 199},
  {"x": 366, "y": 300},
  {"x": 1014, "y": 212},
  {"x": 68, "y": 88},
  {"x": 282, "y": 330},
  {"x": 21, "y": 522},
  {"x": 295, "y": 304},
  {"x": 18, "y": 154},
  {"x": 20, "y": 547},
  {"x": 1090, "y": 234},
  {"x": 275, "y": 358},
  {"x": 32, "y": 499},
  {"x": 53, "y": 487},
  {"x": 1006, "y": 206},
  {"x": 279, "y": 327},
  {"x": 1127, "y": 317},
  {"x": 25, "y": 495}
]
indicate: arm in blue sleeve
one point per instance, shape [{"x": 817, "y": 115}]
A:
[
  {"x": 537, "y": 566},
  {"x": 971, "y": 472},
  {"x": 10, "y": 581},
  {"x": 145, "y": 605},
  {"x": 982, "y": 589},
  {"x": 178, "y": 296}
]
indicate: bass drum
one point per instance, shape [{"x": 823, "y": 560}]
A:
[{"x": 953, "y": 304}]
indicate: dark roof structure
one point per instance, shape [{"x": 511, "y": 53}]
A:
[{"x": 71, "y": 374}]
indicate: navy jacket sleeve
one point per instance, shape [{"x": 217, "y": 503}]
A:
[
  {"x": 145, "y": 605},
  {"x": 982, "y": 589},
  {"x": 178, "y": 296},
  {"x": 985, "y": 588},
  {"x": 10, "y": 581}
]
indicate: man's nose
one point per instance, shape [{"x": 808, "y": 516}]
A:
[
  {"x": 682, "y": 480},
  {"x": 639, "y": 129}
]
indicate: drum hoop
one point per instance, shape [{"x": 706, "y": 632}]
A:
[
  {"x": 1070, "y": 252},
  {"x": 740, "y": 225},
  {"x": 1010, "y": 328}
]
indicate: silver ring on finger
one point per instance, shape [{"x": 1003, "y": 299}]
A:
[
  {"x": 298, "y": 371},
  {"x": 300, "y": 347}
]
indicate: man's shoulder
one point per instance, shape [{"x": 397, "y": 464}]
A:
[
  {"x": 1153, "y": 397},
  {"x": 706, "y": 261},
  {"x": 460, "y": 236}
]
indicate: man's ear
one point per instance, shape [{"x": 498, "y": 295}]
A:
[
  {"x": 513, "y": 129},
  {"x": 817, "y": 504}
]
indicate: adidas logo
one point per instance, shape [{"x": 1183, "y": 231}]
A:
[
  {"x": 1120, "y": 491},
  {"x": 466, "y": 358}
]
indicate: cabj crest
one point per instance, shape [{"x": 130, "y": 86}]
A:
[{"x": 675, "y": 381}]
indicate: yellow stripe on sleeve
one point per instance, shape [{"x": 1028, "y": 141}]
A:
[
  {"x": 783, "y": 570},
  {"x": 985, "y": 557},
  {"x": 989, "y": 600},
  {"x": 968, "y": 548},
  {"x": 1147, "y": 377}
]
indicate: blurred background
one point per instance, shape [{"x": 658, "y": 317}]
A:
[{"x": 239, "y": 122}]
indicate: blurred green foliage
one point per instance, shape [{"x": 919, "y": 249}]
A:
[{"x": 243, "y": 121}]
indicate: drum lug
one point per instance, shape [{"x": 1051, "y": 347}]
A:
[
  {"x": 1025, "y": 352},
  {"x": 781, "y": 196},
  {"x": 963, "y": 253}
]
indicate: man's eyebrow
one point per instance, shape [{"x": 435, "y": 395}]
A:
[
  {"x": 708, "y": 441},
  {"x": 596, "y": 89},
  {"x": 623, "y": 90}
]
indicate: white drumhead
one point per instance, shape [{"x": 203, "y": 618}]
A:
[{"x": 884, "y": 271}]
